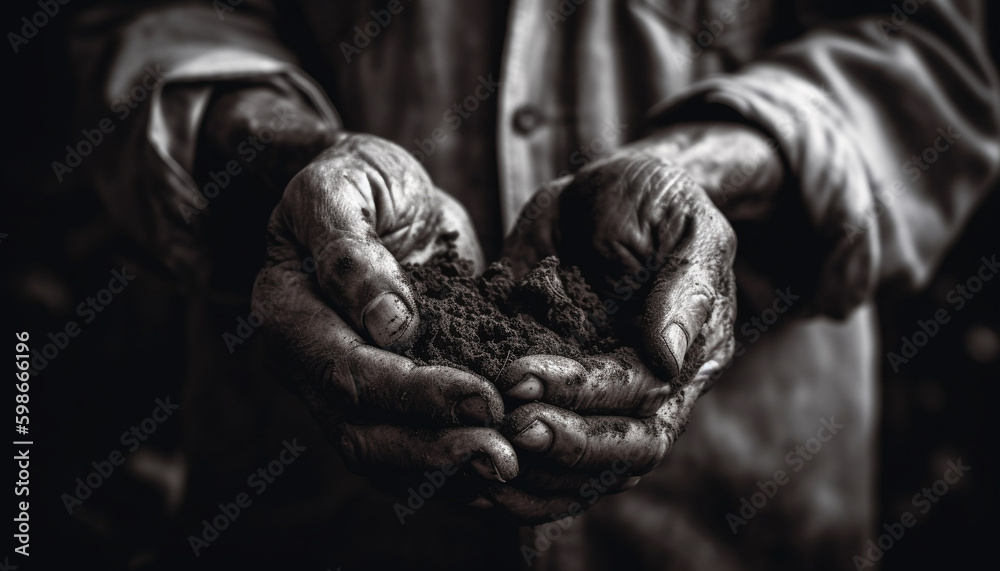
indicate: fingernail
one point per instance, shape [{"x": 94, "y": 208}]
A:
[
  {"x": 676, "y": 342},
  {"x": 486, "y": 468},
  {"x": 530, "y": 388},
  {"x": 654, "y": 401},
  {"x": 481, "y": 503},
  {"x": 630, "y": 483},
  {"x": 473, "y": 410},
  {"x": 537, "y": 437},
  {"x": 387, "y": 319}
]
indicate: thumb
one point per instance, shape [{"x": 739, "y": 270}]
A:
[{"x": 332, "y": 212}]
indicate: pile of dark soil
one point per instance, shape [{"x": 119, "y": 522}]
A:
[{"x": 479, "y": 324}]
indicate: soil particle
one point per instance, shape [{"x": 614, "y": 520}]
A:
[{"x": 479, "y": 324}]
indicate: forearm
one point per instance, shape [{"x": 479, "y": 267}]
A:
[
  {"x": 852, "y": 107},
  {"x": 144, "y": 170}
]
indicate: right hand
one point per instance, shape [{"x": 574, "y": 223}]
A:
[{"x": 359, "y": 210}]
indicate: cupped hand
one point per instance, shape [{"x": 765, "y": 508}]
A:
[
  {"x": 655, "y": 249},
  {"x": 337, "y": 304},
  {"x": 659, "y": 252}
]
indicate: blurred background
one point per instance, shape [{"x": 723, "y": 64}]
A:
[{"x": 57, "y": 248}]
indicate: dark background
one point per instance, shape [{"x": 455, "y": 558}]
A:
[{"x": 59, "y": 248}]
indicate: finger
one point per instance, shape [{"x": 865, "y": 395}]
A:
[
  {"x": 377, "y": 448},
  {"x": 587, "y": 443},
  {"x": 684, "y": 296},
  {"x": 617, "y": 383},
  {"x": 356, "y": 209},
  {"x": 318, "y": 345},
  {"x": 718, "y": 333}
]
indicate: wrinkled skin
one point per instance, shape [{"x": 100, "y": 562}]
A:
[
  {"x": 360, "y": 209},
  {"x": 620, "y": 219},
  {"x": 363, "y": 206}
]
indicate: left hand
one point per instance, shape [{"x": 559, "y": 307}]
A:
[{"x": 632, "y": 222}]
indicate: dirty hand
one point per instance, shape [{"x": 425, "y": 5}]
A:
[
  {"x": 651, "y": 241},
  {"x": 336, "y": 304}
]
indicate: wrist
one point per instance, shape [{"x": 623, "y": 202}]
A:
[{"x": 738, "y": 166}]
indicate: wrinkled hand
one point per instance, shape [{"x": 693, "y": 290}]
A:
[
  {"x": 657, "y": 250},
  {"x": 358, "y": 211}
]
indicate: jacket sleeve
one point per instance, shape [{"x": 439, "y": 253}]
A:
[
  {"x": 145, "y": 75},
  {"x": 888, "y": 122}
]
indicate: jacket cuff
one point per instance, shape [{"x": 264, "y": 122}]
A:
[{"x": 825, "y": 165}]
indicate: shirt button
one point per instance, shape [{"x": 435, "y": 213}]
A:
[{"x": 527, "y": 119}]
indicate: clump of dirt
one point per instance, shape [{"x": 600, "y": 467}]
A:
[{"x": 479, "y": 324}]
